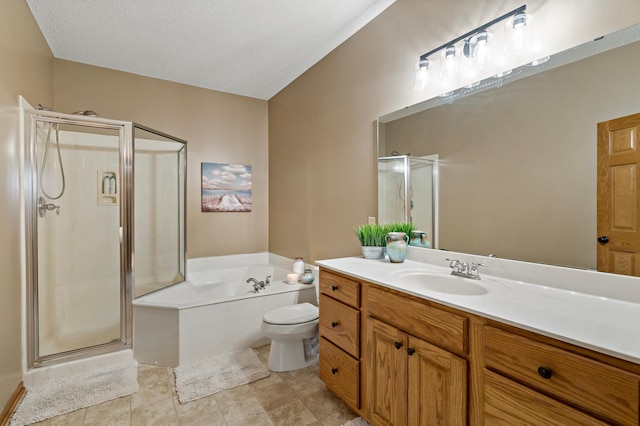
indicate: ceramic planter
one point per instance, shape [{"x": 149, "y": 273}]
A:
[{"x": 371, "y": 252}]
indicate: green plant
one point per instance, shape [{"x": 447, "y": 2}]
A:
[
  {"x": 405, "y": 227},
  {"x": 374, "y": 234},
  {"x": 371, "y": 234}
]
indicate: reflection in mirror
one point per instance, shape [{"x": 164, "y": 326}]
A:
[
  {"x": 517, "y": 164},
  {"x": 408, "y": 192}
]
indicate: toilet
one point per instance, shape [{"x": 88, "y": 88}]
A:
[{"x": 293, "y": 331}]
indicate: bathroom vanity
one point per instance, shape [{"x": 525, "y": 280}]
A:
[{"x": 410, "y": 344}]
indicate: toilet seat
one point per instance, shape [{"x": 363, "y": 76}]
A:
[{"x": 293, "y": 314}]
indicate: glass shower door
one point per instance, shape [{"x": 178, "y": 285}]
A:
[
  {"x": 76, "y": 185},
  {"x": 159, "y": 196}
]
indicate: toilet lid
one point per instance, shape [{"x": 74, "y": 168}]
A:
[{"x": 294, "y": 314}]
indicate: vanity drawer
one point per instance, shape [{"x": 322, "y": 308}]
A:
[
  {"x": 340, "y": 288},
  {"x": 340, "y": 372},
  {"x": 340, "y": 324},
  {"x": 508, "y": 403},
  {"x": 443, "y": 329},
  {"x": 592, "y": 386}
]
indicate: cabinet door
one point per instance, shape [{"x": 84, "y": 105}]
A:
[
  {"x": 387, "y": 373},
  {"x": 437, "y": 387}
]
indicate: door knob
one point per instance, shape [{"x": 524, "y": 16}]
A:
[
  {"x": 603, "y": 239},
  {"x": 334, "y": 324},
  {"x": 398, "y": 345},
  {"x": 411, "y": 351}
]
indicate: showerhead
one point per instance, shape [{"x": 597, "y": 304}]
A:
[{"x": 87, "y": 112}]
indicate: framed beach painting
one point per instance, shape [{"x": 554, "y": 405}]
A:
[{"x": 226, "y": 188}]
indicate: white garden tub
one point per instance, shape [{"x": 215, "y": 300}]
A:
[{"x": 215, "y": 310}]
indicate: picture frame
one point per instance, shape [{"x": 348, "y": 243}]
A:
[{"x": 226, "y": 187}]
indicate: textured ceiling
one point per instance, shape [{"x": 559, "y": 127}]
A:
[{"x": 246, "y": 47}]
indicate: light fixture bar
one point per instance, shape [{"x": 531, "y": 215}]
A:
[{"x": 514, "y": 12}]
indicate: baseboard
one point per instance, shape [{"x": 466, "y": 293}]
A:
[{"x": 12, "y": 404}]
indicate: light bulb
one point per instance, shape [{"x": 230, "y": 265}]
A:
[
  {"x": 482, "y": 49},
  {"x": 519, "y": 21},
  {"x": 519, "y": 34},
  {"x": 448, "y": 66},
  {"x": 422, "y": 75}
]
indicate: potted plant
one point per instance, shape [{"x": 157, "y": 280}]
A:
[{"x": 372, "y": 239}]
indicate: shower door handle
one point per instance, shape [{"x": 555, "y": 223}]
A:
[{"x": 121, "y": 233}]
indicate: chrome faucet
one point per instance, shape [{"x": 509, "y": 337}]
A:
[
  {"x": 43, "y": 207},
  {"x": 259, "y": 285},
  {"x": 463, "y": 269}
]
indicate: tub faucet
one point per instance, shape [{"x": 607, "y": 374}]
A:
[
  {"x": 463, "y": 269},
  {"x": 259, "y": 285}
]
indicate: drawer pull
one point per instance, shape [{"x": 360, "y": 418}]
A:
[
  {"x": 398, "y": 345},
  {"x": 334, "y": 287},
  {"x": 334, "y": 370},
  {"x": 545, "y": 372},
  {"x": 411, "y": 351},
  {"x": 334, "y": 324}
]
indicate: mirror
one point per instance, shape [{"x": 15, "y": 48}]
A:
[{"x": 517, "y": 163}]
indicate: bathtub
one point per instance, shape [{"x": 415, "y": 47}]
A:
[{"x": 215, "y": 310}]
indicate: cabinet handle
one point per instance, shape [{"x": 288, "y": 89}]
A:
[
  {"x": 334, "y": 370},
  {"x": 398, "y": 345},
  {"x": 545, "y": 372},
  {"x": 411, "y": 351},
  {"x": 334, "y": 324},
  {"x": 334, "y": 287}
]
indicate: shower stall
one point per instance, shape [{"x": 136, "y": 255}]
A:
[
  {"x": 408, "y": 192},
  {"x": 104, "y": 208}
]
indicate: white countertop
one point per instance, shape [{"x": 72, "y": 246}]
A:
[{"x": 595, "y": 321}]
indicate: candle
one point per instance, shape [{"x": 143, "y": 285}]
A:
[{"x": 292, "y": 278}]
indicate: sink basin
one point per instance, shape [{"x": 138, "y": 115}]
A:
[{"x": 445, "y": 283}]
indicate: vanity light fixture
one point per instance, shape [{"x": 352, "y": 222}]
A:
[{"x": 476, "y": 48}]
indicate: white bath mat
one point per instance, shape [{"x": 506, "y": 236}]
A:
[
  {"x": 221, "y": 372},
  {"x": 358, "y": 421},
  {"x": 64, "y": 395}
]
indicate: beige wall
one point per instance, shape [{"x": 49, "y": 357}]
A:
[
  {"x": 322, "y": 141},
  {"x": 26, "y": 66},
  {"x": 218, "y": 127}
]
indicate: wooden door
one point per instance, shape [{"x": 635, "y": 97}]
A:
[
  {"x": 437, "y": 385},
  {"x": 619, "y": 196},
  {"x": 387, "y": 374}
]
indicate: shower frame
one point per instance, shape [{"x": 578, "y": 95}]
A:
[{"x": 126, "y": 134}]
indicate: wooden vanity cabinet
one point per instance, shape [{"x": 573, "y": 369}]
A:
[
  {"x": 542, "y": 384},
  {"x": 397, "y": 359},
  {"x": 339, "y": 351},
  {"x": 506, "y": 402},
  {"x": 409, "y": 379}
]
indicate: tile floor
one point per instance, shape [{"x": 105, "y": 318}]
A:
[{"x": 289, "y": 399}]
